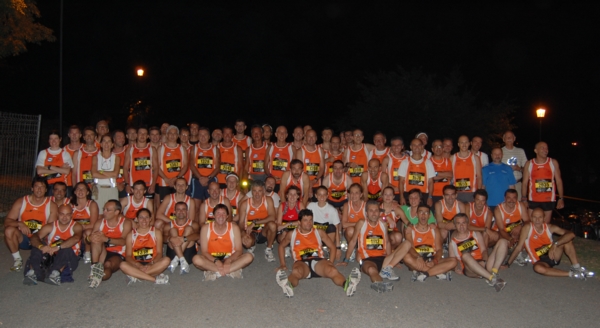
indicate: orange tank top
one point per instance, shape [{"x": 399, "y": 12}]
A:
[
  {"x": 84, "y": 166},
  {"x": 256, "y": 159},
  {"x": 229, "y": 159},
  {"x": 355, "y": 215},
  {"x": 170, "y": 211},
  {"x": 170, "y": 162},
  {"x": 374, "y": 187},
  {"x": 72, "y": 153},
  {"x": 443, "y": 166},
  {"x": 140, "y": 166},
  {"x": 244, "y": 143},
  {"x": 541, "y": 181},
  {"x": 478, "y": 220},
  {"x": 424, "y": 242},
  {"x": 449, "y": 213},
  {"x": 220, "y": 246},
  {"x": 469, "y": 245},
  {"x": 380, "y": 154},
  {"x": 208, "y": 209},
  {"x": 180, "y": 228},
  {"x": 312, "y": 162},
  {"x": 465, "y": 177},
  {"x": 115, "y": 232},
  {"x": 416, "y": 176},
  {"x": 338, "y": 192},
  {"x": 298, "y": 183},
  {"x": 82, "y": 216},
  {"x": 121, "y": 156},
  {"x": 55, "y": 160},
  {"x": 34, "y": 216},
  {"x": 338, "y": 157},
  {"x": 393, "y": 167},
  {"x": 143, "y": 247},
  {"x": 233, "y": 201},
  {"x": 257, "y": 213},
  {"x": 306, "y": 246},
  {"x": 280, "y": 159},
  {"x": 57, "y": 237},
  {"x": 512, "y": 219},
  {"x": 205, "y": 159},
  {"x": 371, "y": 240},
  {"x": 361, "y": 158},
  {"x": 132, "y": 207},
  {"x": 538, "y": 244}
]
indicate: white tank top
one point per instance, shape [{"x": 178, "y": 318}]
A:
[{"x": 106, "y": 164}]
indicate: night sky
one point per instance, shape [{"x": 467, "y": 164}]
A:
[{"x": 301, "y": 63}]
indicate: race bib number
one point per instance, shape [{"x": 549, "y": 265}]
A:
[
  {"x": 258, "y": 166},
  {"x": 541, "y": 251},
  {"x": 143, "y": 254},
  {"x": 543, "y": 185},
  {"x": 463, "y": 184},
  {"x": 426, "y": 251},
  {"x": 257, "y": 227},
  {"x": 467, "y": 246},
  {"x": 292, "y": 225},
  {"x": 220, "y": 255},
  {"x": 374, "y": 196},
  {"x": 172, "y": 216},
  {"x": 356, "y": 171},
  {"x": 83, "y": 221},
  {"x": 416, "y": 179},
  {"x": 338, "y": 194},
  {"x": 142, "y": 163},
  {"x": 233, "y": 211},
  {"x": 511, "y": 226},
  {"x": 174, "y": 165},
  {"x": 87, "y": 177},
  {"x": 395, "y": 175},
  {"x": 374, "y": 242},
  {"x": 226, "y": 168},
  {"x": 280, "y": 164},
  {"x": 308, "y": 253},
  {"x": 204, "y": 162},
  {"x": 312, "y": 169},
  {"x": 33, "y": 225},
  {"x": 320, "y": 226},
  {"x": 56, "y": 243}
]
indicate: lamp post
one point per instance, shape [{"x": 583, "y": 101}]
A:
[
  {"x": 140, "y": 72},
  {"x": 540, "y": 112}
]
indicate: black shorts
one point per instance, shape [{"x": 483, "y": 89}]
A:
[
  {"x": 311, "y": 266},
  {"x": 546, "y": 259},
  {"x": 259, "y": 237},
  {"x": 327, "y": 227},
  {"x": 113, "y": 254},
  {"x": 545, "y": 206},
  {"x": 377, "y": 260},
  {"x": 123, "y": 193},
  {"x": 188, "y": 253},
  {"x": 163, "y": 191},
  {"x": 339, "y": 204}
]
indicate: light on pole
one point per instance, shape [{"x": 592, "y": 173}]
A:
[
  {"x": 540, "y": 112},
  {"x": 140, "y": 72}
]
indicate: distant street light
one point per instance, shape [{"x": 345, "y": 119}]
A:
[
  {"x": 540, "y": 114},
  {"x": 140, "y": 72}
]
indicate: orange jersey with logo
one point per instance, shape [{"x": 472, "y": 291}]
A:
[
  {"x": 280, "y": 158},
  {"x": 121, "y": 156},
  {"x": 57, "y": 236},
  {"x": 220, "y": 246},
  {"x": 229, "y": 160},
  {"x": 306, "y": 246},
  {"x": 256, "y": 159},
  {"x": 115, "y": 232},
  {"x": 291, "y": 182},
  {"x": 84, "y": 165},
  {"x": 208, "y": 209},
  {"x": 170, "y": 210},
  {"x": 471, "y": 245},
  {"x": 541, "y": 181},
  {"x": 140, "y": 166},
  {"x": 371, "y": 240},
  {"x": 143, "y": 246},
  {"x": 34, "y": 216},
  {"x": 180, "y": 228},
  {"x": 338, "y": 157},
  {"x": 393, "y": 167},
  {"x": 443, "y": 166},
  {"x": 512, "y": 219},
  {"x": 380, "y": 154},
  {"x": 464, "y": 172},
  {"x": 233, "y": 201},
  {"x": 257, "y": 213},
  {"x": 130, "y": 210},
  {"x": 312, "y": 162},
  {"x": 538, "y": 244},
  {"x": 355, "y": 215},
  {"x": 478, "y": 220},
  {"x": 449, "y": 213},
  {"x": 374, "y": 187},
  {"x": 170, "y": 161},
  {"x": 55, "y": 160},
  {"x": 416, "y": 176},
  {"x": 424, "y": 242},
  {"x": 205, "y": 159},
  {"x": 361, "y": 157},
  {"x": 82, "y": 216},
  {"x": 338, "y": 192},
  {"x": 72, "y": 153},
  {"x": 244, "y": 143}
]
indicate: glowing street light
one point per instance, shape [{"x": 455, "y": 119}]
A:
[
  {"x": 541, "y": 113},
  {"x": 140, "y": 72}
]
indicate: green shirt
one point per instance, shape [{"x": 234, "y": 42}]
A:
[{"x": 414, "y": 220}]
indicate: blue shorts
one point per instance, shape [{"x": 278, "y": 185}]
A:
[{"x": 26, "y": 243}]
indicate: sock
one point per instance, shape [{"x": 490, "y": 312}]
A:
[
  {"x": 571, "y": 274},
  {"x": 16, "y": 255},
  {"x": 574, "y": 266},
  {"x": 491, "y": 277},
  {"x": 494, "y": 270},
  {"x": 426, "y": 274}
]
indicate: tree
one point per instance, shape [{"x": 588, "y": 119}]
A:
[
  {"x": 18, "y": 27},
  {"x": 404, "y": 103}
]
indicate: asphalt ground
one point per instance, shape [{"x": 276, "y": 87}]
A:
[{"x": 529, "y": 300}]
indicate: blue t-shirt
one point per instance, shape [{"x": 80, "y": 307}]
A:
[{"x": 496, "y": 179}]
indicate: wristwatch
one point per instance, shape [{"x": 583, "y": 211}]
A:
[{"x": 185, "y": 239}]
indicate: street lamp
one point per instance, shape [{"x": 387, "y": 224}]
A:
[
  {"x": 140, "y": 72},
  {"x": 540, "y": 112}
]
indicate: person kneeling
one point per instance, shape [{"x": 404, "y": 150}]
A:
[
  {"x": 305, "y": 245},
  {"x": 143, "y": 252},
  {"x": 221, "y": 248}
]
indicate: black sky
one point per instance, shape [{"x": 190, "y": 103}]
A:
[{"x": 268, "y": 62}]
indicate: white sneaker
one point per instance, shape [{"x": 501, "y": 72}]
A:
[
  {"x": 54, "y": 278},
  {"x": 352, "y": 256},
  {"x": 87, "y": 257},
  {"x": 282, "y": 280},
  {"x": 251, "y": 249},
  {"x": 352, "y": 282},
  {"x": 17, "y": 265},
  {"x": 130, "y": 280},
  {"x": 97, "y": 274},
  {"x": 210, "y": 276},
  {"x": 162, "y": 279},
  {"x": 269, "y": 254},
  {"x": 174, "y": 264},
  {"x": 388, "y": 273},
  {"x": 288, "y": 252},
  {"x": 184, "y": 266},
  {"x": 30, "y": 278},
  {"x": 441, "y": 276},
  {"x": 421, "y": 277},
  {"x": 237, "y": 274}
]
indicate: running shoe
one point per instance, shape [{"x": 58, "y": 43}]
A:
[
  {"x": 282, "y": 280},
  {"x": 54, "y": 278},
  {"x": 352, "y": 282},
  {"x": 269, "y": 254},
  {"x": 237, "y": 274},
  {"x": 382, "y": 287},
  {"x": 87, "y": 257},
  {"x": 421, "y": 277},
  {"x": 184, "y": 266},
  {"x": 210, "y": 276},
  {"x": 388, "y": 273},
  {"x": 17, "y": 265},
  {"x": 288, "y": 252},
  {"x": 162, "y": 279},
  {"x": 499, "y": 285},
  {"x": 97, "y": 274},
  {"x": 174, "y": 264},
  {"x": 30, "y": 278},
  {"x": 130, "y": 280}
]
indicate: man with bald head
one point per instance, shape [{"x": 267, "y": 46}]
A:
[
  {"x": 515, "y": 157},
  {"x": 497, "y": 177},
  {"x": 416, "y": 172},
  {"x": 101, "y": 130},
  {"x": 541, "y": 181},
  {"x": 466, "y": 170}
]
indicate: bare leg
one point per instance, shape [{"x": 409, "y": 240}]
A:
[
  {"x": 370, "y": 268},
  {"x": 397, "y": 255},
  {"x": 326, "y": 269}
]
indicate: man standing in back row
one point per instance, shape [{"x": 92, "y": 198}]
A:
[{"x": 515, "y": 157}]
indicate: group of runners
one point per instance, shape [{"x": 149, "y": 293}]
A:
[{"x": 118, "y": 200}]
